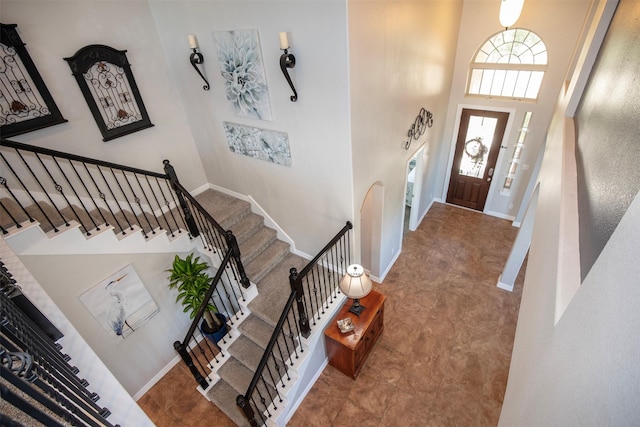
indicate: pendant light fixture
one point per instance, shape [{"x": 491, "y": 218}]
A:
[{"x": 510, "y": 12}]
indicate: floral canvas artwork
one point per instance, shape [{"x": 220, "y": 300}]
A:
[
  {"x": 120, "y": 303},
  {"x": 241, "y": 67},
  {"x": 263, "y": 144}
]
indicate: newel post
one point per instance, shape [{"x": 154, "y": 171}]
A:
[
  {"x": 233, "y": 245},
  {"x": 296, "y": 285},
  {"x": 188, "y": 217},
  {"x": 182, "y": 351},
  {"x": 244, "y": 404}
]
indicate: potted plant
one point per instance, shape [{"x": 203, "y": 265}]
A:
[{"x": 190, "y": 277}]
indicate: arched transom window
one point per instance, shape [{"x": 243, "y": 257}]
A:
[{"x": 511, "y": 64}]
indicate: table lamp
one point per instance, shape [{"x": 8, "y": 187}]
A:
[{"x": 355, "y": 284}]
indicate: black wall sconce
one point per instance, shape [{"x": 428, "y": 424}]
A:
[
  {"x": 423, "y": 119},
  {"x": 196, "y": 59},
  {"x": 287, "y": 60}
]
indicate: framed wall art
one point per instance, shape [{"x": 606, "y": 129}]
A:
[
  {"x": 107, "y": 84},
  {"x": 25, "y": 101},
  {"x": 120, "y": 303},
  {"x": 242, "y": 68},
  {"x": 268, "y": 145}
]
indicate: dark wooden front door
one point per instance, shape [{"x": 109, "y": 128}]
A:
[{"x": 474, "y": 161}]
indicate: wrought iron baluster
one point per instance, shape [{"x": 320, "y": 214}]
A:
[
  {"x": 13, "y": 219},
  {"x": 142, "y": 212},
  {"x": 296, "y": 315},
  {"x": 16, "y": 400},
  {"x": 101, "y": 195},
  {"x": 73, "y": 209},
  {"x": 96, "y": 226},
  {"x": 123, "y": 211},
  {"x": 238, "y": 307},
  {"x": 35, "y": 203},
  {"x": 49, "y": 370},
  {"x": 155, "y": 197},
  {"x": 201, "y": 223},
  {"x": 115, "y": 217},
  {"x": 168, "y": 205},
  {"x": 49, "y": 359},
  {"x": 3, "y": 182},
  {"x": 46, "y": 193},
  {"x": 144, "y": 193}
]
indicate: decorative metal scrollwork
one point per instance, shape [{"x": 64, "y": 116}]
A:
[
  {"x": 19, "y": 363},
  {"x": 196, "y": 59},
  {"x": 287, "y": 60},
  {"x": 423, "y": 120}
]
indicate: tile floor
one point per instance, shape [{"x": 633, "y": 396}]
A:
[{"x": 443, "y": 358}]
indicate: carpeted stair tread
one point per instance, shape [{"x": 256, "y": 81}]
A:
[
  {"x": 239, "y": 377},
  {"x": 256, "y": 244},
  {"x": 48, "y": 217},
  {"x": 14, "y": 211},
  {"x": 257, "y": 330},
  {"x": 226, "y": 210},
  {"x": 246, "y": 227},
  {"x": 274, "y": 289},
  {"x": 87, "y": 221},
  {"x": 261, "y": 265},
  {"x": 224, "y": 397},
  {"x": 249, "y": 354}
]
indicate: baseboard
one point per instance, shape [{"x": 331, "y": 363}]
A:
[
  {"x": 504, "y": 286},
  {"x": 268, "y": 221},
  {"x": 157, "y": 377},
  {"x": 201, "y": 189},
  {"x": 500, "y": 215},
  {"x": 384, "y": 273},
  {"x": 306, "y": 391}
]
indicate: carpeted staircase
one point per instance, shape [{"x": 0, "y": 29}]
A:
[{"x": 267, "y": 262}]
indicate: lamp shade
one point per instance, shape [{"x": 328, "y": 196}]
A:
[
  {"x": 510, "y": 12},
  {"x": 355, "y": 284}
]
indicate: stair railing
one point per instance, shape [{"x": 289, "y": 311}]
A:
[
  {"x": 54, "y": 188},
  {"x": 33, "y": 365},
  {"x": 313, "y": 290},
  {"x": 195, "y": 351}
]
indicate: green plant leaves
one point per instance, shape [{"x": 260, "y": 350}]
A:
[{"x": 190, "y": 277}]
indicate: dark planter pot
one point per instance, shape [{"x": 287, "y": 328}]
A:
[{"x": 214, "y": 335}]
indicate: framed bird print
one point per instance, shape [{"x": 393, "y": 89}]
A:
[{"x": 120, "y": 303}]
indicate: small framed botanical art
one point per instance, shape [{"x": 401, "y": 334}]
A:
[
  {"x": 25, "y": 101},
  {"x": 106, "y": 81}
]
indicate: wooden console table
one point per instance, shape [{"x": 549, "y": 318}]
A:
[{"x": 348, "y": 352}]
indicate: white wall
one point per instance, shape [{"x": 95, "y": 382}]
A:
[
  {"x": 579, "y": 368},
  {"x": 401, "y": 56},
  {"x": 53, "y": 30},
  {"x": 124, "y": 410},
  {"x": 311, "y": 200},
  {"x": 559, "y": 24},
  {"x": 137, "y": 359}
]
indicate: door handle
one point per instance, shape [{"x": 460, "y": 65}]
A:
[{"x": 490, "y": 173}]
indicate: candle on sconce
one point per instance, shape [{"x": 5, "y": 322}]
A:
[
  {"x": 284, "y": 41},
  {"x": 193, "y": 42}
]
